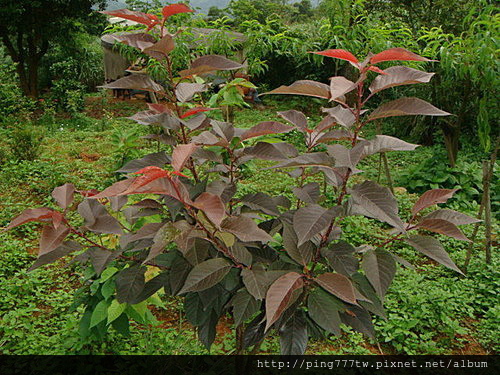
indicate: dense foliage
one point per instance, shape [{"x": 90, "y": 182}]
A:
[{"x": 274, "y": 264}]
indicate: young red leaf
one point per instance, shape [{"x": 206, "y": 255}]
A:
[
  {"x": 34, "y": 214},
  {"x": 341, "y": 54},
  {"x": 377, "y": 70},
  {"x": 396, "y": 54},
  {"x": 181, "y": 155},
  {"x": 149, "y": 20},
  {"x": 149, "y": 174},
  {"x": 279, "y": 295},
  {"x": 196, "y": 110},
  {"x": 338, "y": 285},
  {"x": 432, "y": 197},
  {"x": 172, "y": 9}
]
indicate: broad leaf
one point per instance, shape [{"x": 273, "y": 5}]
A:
[
  {"x": 64, "y": 195},
  {"x": 245, "y": 229},
  {"x": 341, "y": 257},
  {"x": 242, "y": 255},
  {"x": 136, "y": 40},
  {"x": 294, "y": 117},
  {"x": 375, "y": 201},
  {"x": 171, "y": 9},
  {"x": 293, "y": 335},
  {"x": 396, "y": 54},
  {"x": 244, "y": 306},
  {"x": 398, "y": 76},
  {"x": 261, "y": 202},
  {"x": 359, "y": 319},
  {"x": 165, "y": 235},
  {"x": 186, "y": 90},
  {"x": 380, "y": 268},
  {"x": 149, "y": 20},
  {"x": 341, "y": 54},
  {"x": 272, "y": 151},
  {"x": 212, "y": 206},
  {"x": 310, "y": 220},
  {"x": 135, "y": 82},
  {"x": 340, "y": 86},
  {"x": 432, "y": 197},
  {"x": 324, "y": 309},
  {"x": 100, "y": 313},
  {"x": 302, "y": 254},
  {"x": 210, "y": 63},
  {"x": 115, "y": 309},
  {"x": 279, "y": 295},
  {"x": 264, "y": 128},
  {"x": 157, "y": 159},
  {"x": 129, "y": 283},
  {"x": 381, "y": 143},
  {"x": 338, "y": 285},
  {"x": 308, "y": 193},
  {"x": 257, "y": 280},
  {"x": 406, "y": 107},
  {"x": 342, "y": 115},
  {"x": 196, "y": 313},
  {"x": 433, "y": 249},
  {"x": 50, "y": 257},
  {"x": 97, "y": 219},
  {"x": 206, "y": 275},
  {"x": 304, "y": 87},
  {"x": 34, "y": 214},
  {"x": 52, "y": 238},
  {"x": 443, "y": 227},
  {"x": 161, "y": 49},
  {"x": 454, "y": 217},
  {"x": 181, "y": 154}
]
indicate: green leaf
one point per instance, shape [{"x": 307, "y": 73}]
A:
[
  {"x": 206, "y": 275},
  {"x": 115, "y": 310},
  {"x": 107, "y": 273},
  {"x": 100, "y": 313},
  {"x": 121, "y": 324}
]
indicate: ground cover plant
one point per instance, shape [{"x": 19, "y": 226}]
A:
[{"x": 179, "y": 223}]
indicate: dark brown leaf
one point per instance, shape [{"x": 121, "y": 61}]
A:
[
  {"x": 432, "y": 197},
  {"x": 97, "y": 219},
  {"x": 338, "y": 285},
  {"x": 245, "y": 229},
  {"x": 380, "y": 268},
  {"x": 206, "y": 275},
  {"x": 398, "y": 76},
  {"x": 310, "y": 220},
  {"x": 181, "y": 154},
  {"x": 137, "y": 40},
  {"x": 375, "y": 201},
  {"x": 161, "y": 49},
  {"x": 309, "y": 193},
  {"x": 304, "y": 87},
  {"x": 443, "y": 227},
  {"x": 454, "y": 217},
  {"x": 406, "y": 107},
  {"x": 244, "y": 306},
  {"x": 433, "y": 249},
  {"x": 135, "y": 82},
  {"x": 295, "y": 117},
  {"x": 210, "y": 63},
  {"x": 261, "y": 202},
  {"x": 264, "y": 128},
  {"x": 279, "y": 295},
  {"x": 129, "y": 283},
  {"x": 293, "y": 335},
  {"x": 186, "y": 90},
  {"x": 340, "y": 86},
  {"x": 212, "y": 206},
  {"x": 52, "y": 238},
  {"x": 64, "y": 195},
  {"x": 324, "y": 309},
  {"x": 33, "y": 214}
]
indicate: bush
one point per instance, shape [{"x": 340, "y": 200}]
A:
[{"x": 25, "y": 142}]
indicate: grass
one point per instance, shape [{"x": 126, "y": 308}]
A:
[{"x": 430, "y": 310}]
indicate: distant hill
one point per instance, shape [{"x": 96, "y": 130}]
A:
[{"x": 200, "y": 5}]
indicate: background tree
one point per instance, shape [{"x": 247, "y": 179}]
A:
[{"x": 28, "y": 29}]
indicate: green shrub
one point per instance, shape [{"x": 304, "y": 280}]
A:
[{"x": 25, "y": 143}]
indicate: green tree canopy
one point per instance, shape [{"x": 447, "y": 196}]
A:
[{"x": 28, "y": 28}]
